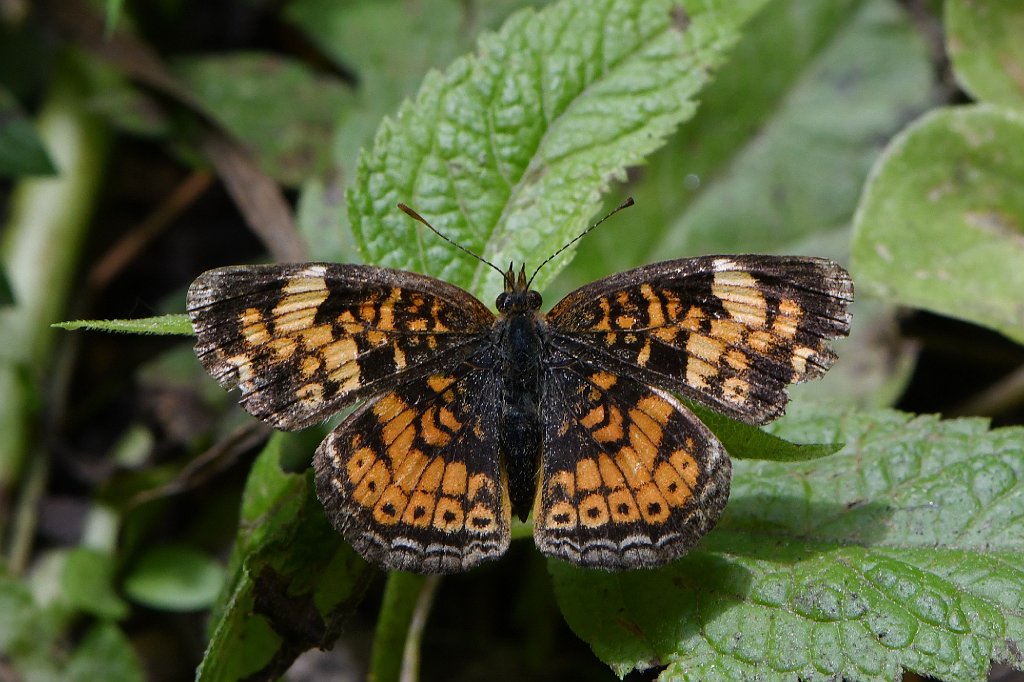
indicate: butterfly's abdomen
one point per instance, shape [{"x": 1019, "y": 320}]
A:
[{"x": 519, "y": 426}]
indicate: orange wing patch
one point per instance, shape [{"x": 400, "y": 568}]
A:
[
  {"x": 411, "y": 484},
  {"x": 635, "y": 481},
  {"x": 635, "y": 478}
]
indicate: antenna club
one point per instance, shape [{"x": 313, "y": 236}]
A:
[{"x": 411, "y": 213}]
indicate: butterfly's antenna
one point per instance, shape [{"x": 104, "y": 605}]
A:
[
  {"x": 417, "y": 217},
  {"x": 625, "y": 204}
]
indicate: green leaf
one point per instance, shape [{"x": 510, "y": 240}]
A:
[
  {"x": 509, "y": 150},
  {"x": 167, "y": 325},
  {"x": 6, "y": 290},
  {"x": 279, "y": 108},
  {"x": 22, "y": 624},
  {"x": 87, "y": 584},
  {"x": 903, "y": 552},
  {"x": 132, "y": 110},
  {"x": 774, "y": 157},
  {"x": 984, "y": 43},
  {"x": 941, "y": 223},
  {"x": 292, "y": 580},
  {"x": 35, "y": 647},
  {"x": 174, "y": 578},
  {"x": 800, "y": 171},
  {"x": 21, "y": 150},
  {"x": 743, "y": 441},
  {"x": 104, "y": 654},
  {"x": 360, "y": 36},
  {"x": 774, "y": 161}
]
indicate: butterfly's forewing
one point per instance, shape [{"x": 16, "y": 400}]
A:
[
  {"x": 630, "y": 478},
  {"x": 303, "y": 341},
  {"x": 728, "y": 331},
  {"x": 413, "y": 480}
]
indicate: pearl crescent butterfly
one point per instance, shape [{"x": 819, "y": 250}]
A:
[{"x": 468, "y": 418}]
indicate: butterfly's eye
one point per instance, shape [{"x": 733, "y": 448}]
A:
[
  {"x": 534, "y": 300},
  {"x": 502, "y": 302}
]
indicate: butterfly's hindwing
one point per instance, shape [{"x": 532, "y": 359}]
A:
[
  {"x": 303, "y": 341},
  {"x": 630, "y": 477},
  {"x": 412, "y": 479},
  {"x": 728, "y": 331}
]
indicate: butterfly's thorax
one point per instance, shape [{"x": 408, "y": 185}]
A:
[{"x": 519, "y": 335}]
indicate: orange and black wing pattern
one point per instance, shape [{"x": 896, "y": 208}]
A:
[
  {"x": 630, "y": 477},
  {"x": 413, "y": 479},
  {"x": 418, "y": 477},
  {"x": 731, "y": 332},
  {"x": 303, "y": 341}
]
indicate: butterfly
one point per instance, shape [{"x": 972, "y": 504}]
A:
[{"x": 467, "y": 418}]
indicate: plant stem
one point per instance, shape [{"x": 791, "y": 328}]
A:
[
  {"x": 403, "y": 613},
  {"x": 39, "y": 254}
]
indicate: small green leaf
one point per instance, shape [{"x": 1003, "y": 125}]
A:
[
  {"x": 21, "y": 150},
  {"x": 167, "y": 325},
  {"x": 279, "y": 108},
  {"x": 6, "y": 291},
  {"x": 21, "y": 623},
  {"x": 743, "y": 441},
  {"x": 104, "y": 654},
  {"x": 903, "y": 552},
  {"x": 941, "y": 223},
  {"x": 87, "y": 584},
  {"x": 984, "y": 43},
  {"x": 509, "y": 150},
  {"x": 33, "y": 641},
  {"x": 132, "y": 110},
  {"x": 174, "y": 578}
]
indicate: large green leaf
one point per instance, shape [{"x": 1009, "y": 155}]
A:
[
  {"x": 941, "y": 224},
  {"x": 361, "y": 37},
  {"x": 774, "y": 161},
  {"x": 902, "y": 552},
  {"x": 984, "y": 43},
  {"x": 509, "y": 150},
  {"x": 775, "y": 157},
  {"x": 279, "y": 108}
]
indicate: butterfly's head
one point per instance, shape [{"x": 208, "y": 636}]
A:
[{"x": 518, "y": 297}]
